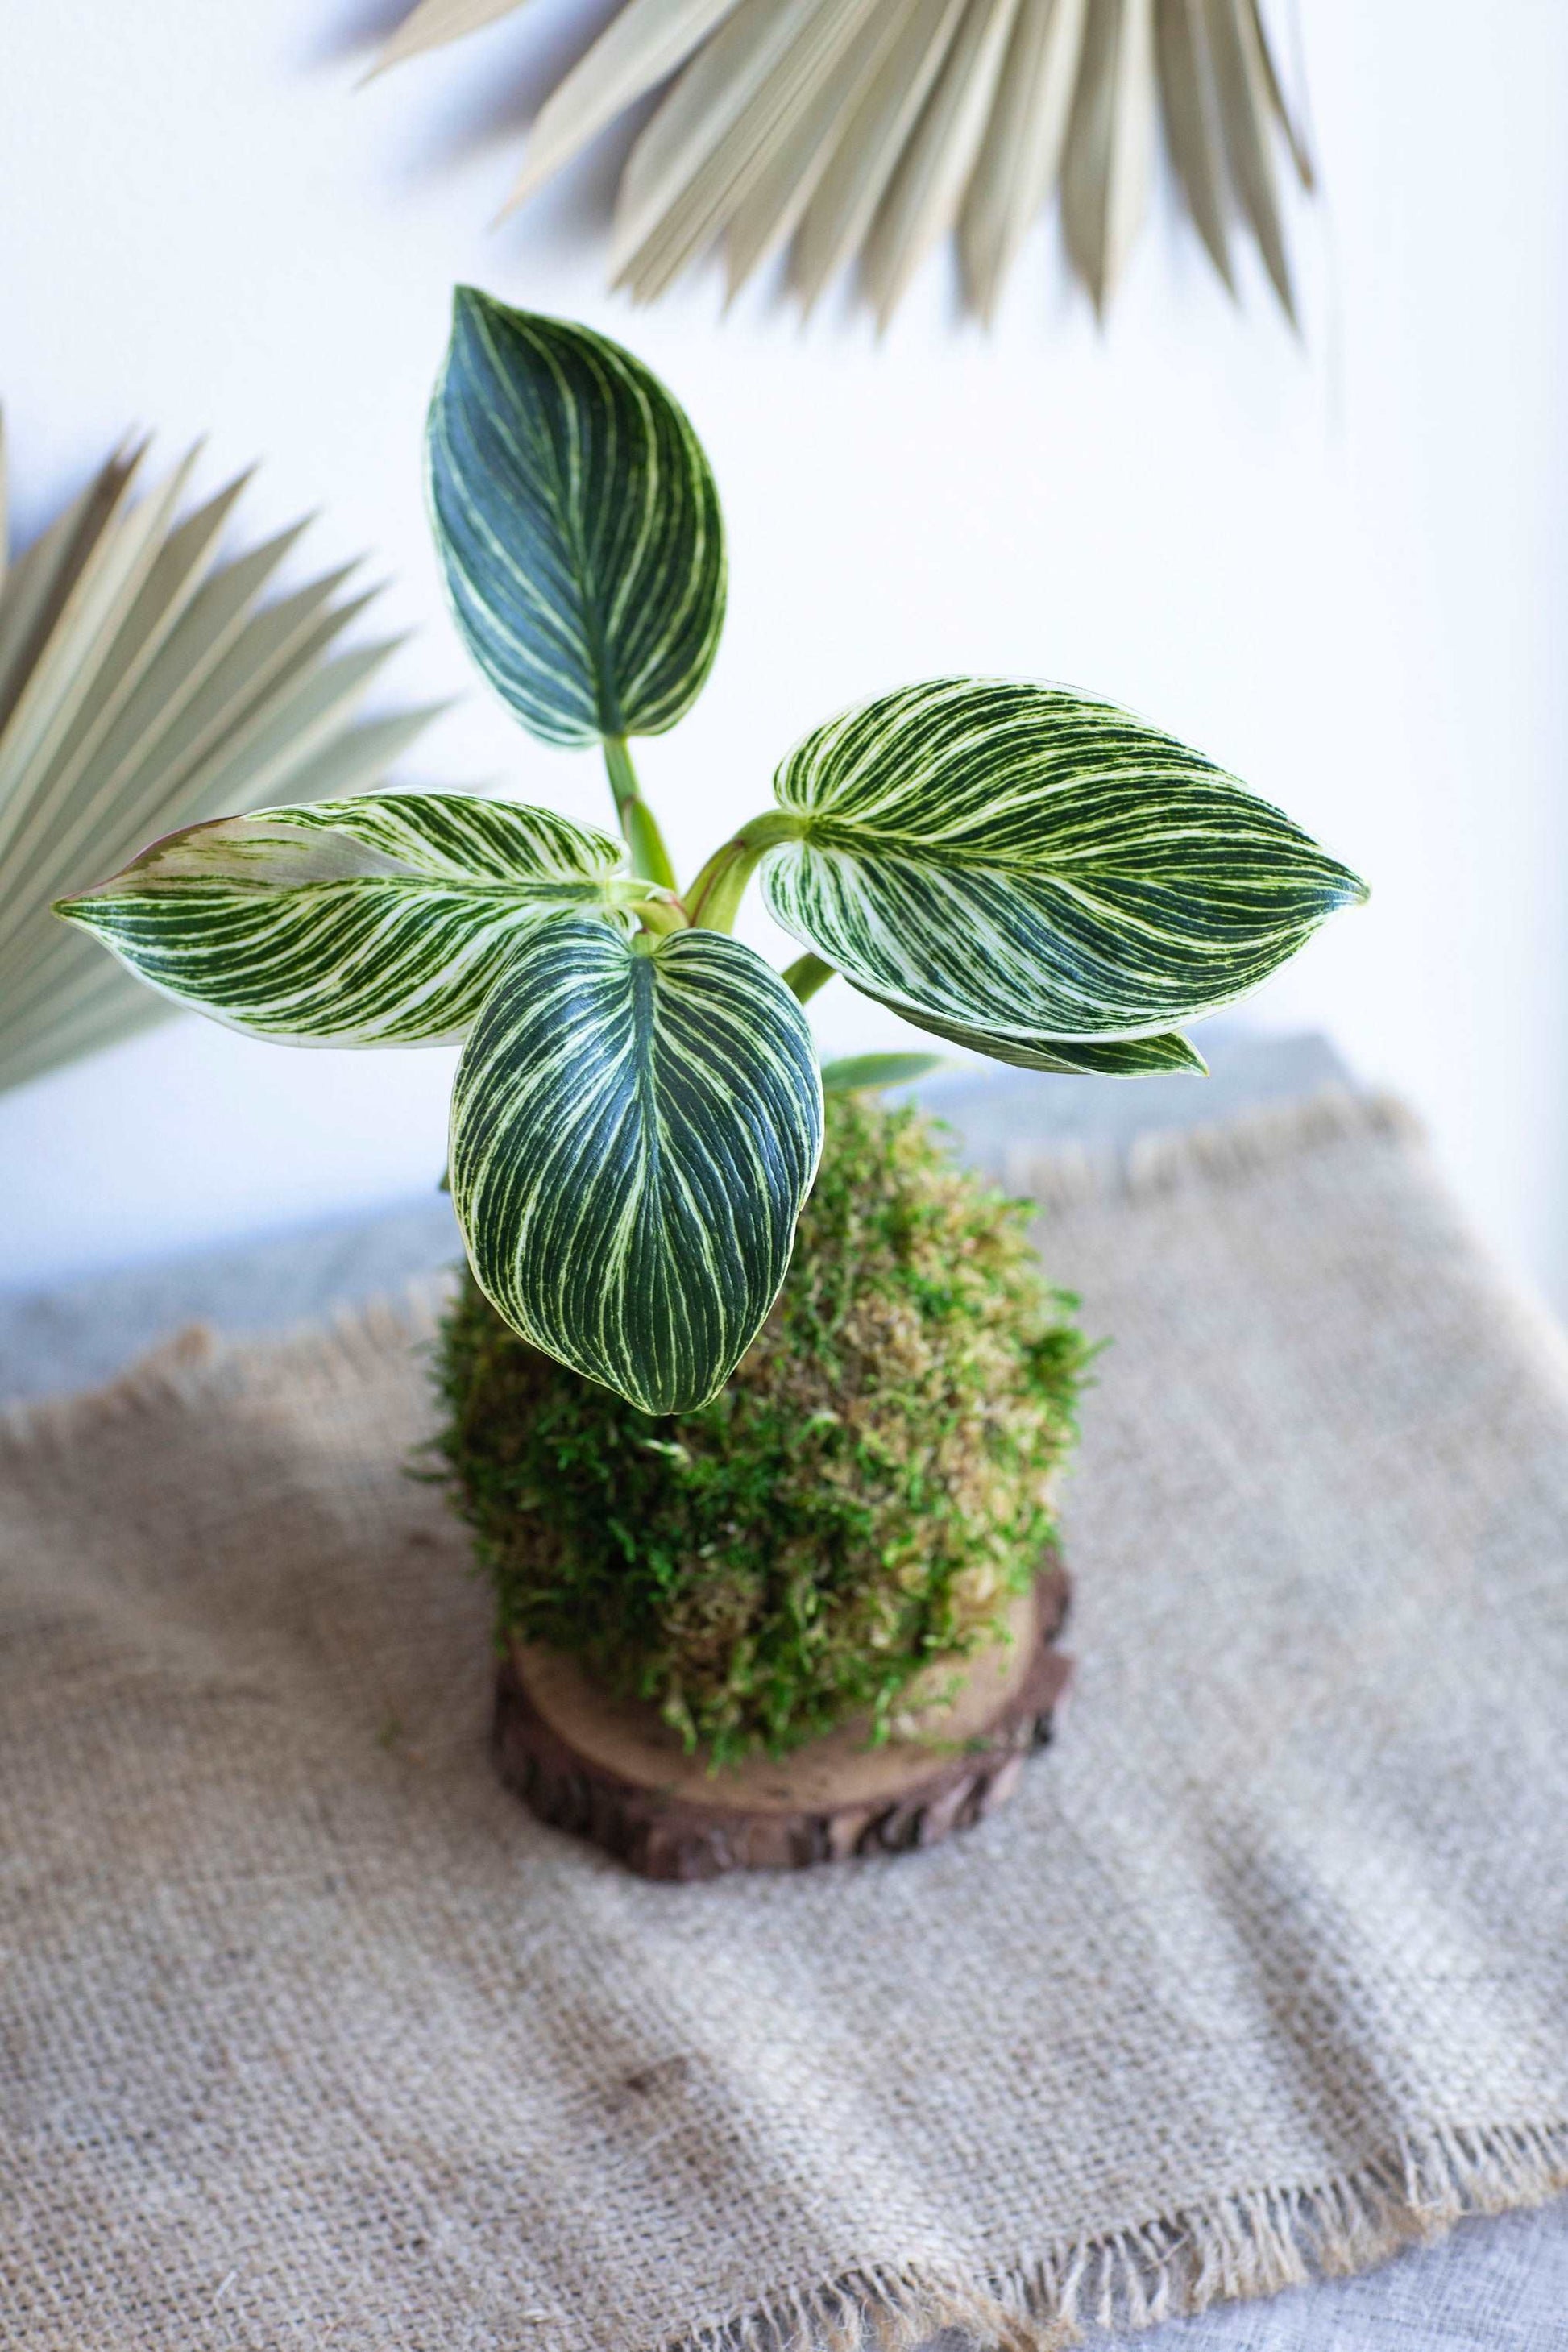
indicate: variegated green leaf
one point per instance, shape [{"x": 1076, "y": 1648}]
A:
[
  {"x": 1016, "y": 861},
  {"x": 1113, "y": 1058},
  {"x": 382, "y": 920},
  {"x": 635, "y": 1128},
  {"x": 577, "y": 524},
  {"x": 144, "y": 685},
  {"x": 861, "y": 1070}
]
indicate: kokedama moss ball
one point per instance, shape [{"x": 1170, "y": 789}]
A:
[{"x": 871, "y": 1490}]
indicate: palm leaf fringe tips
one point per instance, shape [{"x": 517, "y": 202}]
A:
[
  {"x": 867, "y": 129},
  {"x": 143, "y": 686}
]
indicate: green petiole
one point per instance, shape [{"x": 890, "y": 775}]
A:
[
  {"x": 714, "y": 900},
  {"x": 806, "y": 974},
  {"x": 650, "y": 857}
]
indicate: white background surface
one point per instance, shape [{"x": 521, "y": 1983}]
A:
[{"x": 1339, "y": 568}]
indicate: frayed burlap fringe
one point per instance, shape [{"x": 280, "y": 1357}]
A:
[
  {"x": 1170, "y": 1160},
  {"x": 1247, "y": 2245},
  {"x": 194, "y": 1365}
]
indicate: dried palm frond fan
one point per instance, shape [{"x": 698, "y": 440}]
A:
[
  {"x": 870, "y": 128},
  {"x": 143, "y": 686}
]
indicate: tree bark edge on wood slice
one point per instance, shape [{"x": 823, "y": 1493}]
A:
[{"x": 609, "y": 1770}]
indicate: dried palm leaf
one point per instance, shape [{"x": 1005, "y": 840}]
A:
[
  {"x": 935, "y": 168},
  {"x": 143, "y": 686},
  {"x": 868, "y": 129},
  {"x": 1110, "y": 142},
  {"x": 1019, "y": 159},
  {"x": 1192, "y": 128}
]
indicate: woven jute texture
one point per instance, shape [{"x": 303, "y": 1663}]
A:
[{"x": 313, "y": 2037}]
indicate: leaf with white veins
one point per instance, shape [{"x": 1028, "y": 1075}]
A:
[
  {"x": 1115, "y": 1057},
  {"x": 1020, "y": 864},
  {"x": 635, "y": 1128},
  {"x": 382, "y": 920},
  {"x": 577, "y": 524}
]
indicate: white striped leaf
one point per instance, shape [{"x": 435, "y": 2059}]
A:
[
  {"x": 142, "y": 687},
  {"x": 1113, "y": 1058},
  {"x": 577, "y": 524},
  {"x": 382, "y": 920},
  {"x": 635, "y": 1128},
  {"x": 1018, "y": 863}
]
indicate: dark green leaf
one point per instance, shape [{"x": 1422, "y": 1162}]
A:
[
  {"x": 1115, "y": 1057},
  {"x": 633, "y": 1130},
  {"x": 858, "y": 1070},
  {"x": 380, "y": 921},
  {"x": 1012, "y": 860},
  {"x": 578, "y": 525}
]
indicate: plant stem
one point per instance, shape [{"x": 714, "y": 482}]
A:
[
  {"x": 661, "y": 916},
  {"x": 806, "y": 974},
  {"x": 650, "y": 857},
  {"x": 714, "y": 900}
]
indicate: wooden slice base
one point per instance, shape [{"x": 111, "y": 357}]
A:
[{"x": 608, "y": 1770}]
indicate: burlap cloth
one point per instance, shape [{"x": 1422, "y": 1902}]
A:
[{"x": 314, "y": 2038}]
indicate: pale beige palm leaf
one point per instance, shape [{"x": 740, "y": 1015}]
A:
[
  {"x": 1193, "y": 127},
  {"x": 1110, "y": 143},
  {"x": 869, "y": 142},
  {"x": 793, "y": 165},
  {"x": 864, "y": 131},
  {"x": 936, "y": 167},
  {"x": 682, "y": 177},
  {"x": 144, "y": 685},
  {"x": 1020, "y": 156}
]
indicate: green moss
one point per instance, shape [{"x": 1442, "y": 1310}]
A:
[{"x": 870, "y": 1490}]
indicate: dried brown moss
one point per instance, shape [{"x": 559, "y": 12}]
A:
[{"x": 871, "y": 1490}]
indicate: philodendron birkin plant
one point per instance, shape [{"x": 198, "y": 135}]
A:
[{"x": 639, "y": 1110}]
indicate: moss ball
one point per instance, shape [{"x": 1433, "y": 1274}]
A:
[{"x": 870, "y": 1490}]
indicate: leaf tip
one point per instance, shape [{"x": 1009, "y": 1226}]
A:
[
  {"x": 473, "y": 302},
  {"x": 470, "y": 306}
]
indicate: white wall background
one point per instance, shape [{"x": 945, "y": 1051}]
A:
[{"x": 1339, "y": 568}]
